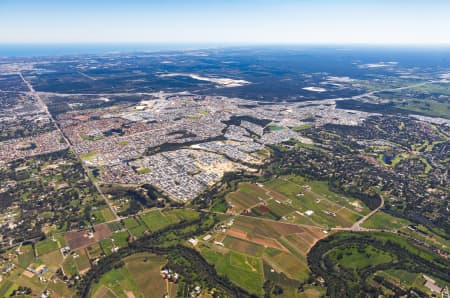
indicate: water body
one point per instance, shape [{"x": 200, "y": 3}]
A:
[{"x": 388, "y": 158}]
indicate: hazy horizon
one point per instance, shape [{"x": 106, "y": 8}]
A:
[{"x": 63, "y": 49}]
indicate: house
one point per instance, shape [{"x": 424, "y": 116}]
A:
[
  {"x": 8, "y": 268},
  {"x": 193, "y": 241}
]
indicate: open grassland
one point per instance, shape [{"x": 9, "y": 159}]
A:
[
  {"x": 182, "y": 214},
  {"x": 82, "y": 261},
  {"x": 60, "y": 289},
  {"x": 244, "y": 270},
  {"x": 6, "y": 288},
  {"x": 46, "y": 246},
  {"x": 156, "y": 220},
  {"x": 140, "y": 277},
  {"x": 115, "y": 226},
  {"x": 426, "y": 106},
  {"x": 88, "y": 156},
  {"x": 357, "y": 257},
  {"x": 145, "y": 270},
  {"x": 243, "y": 246},
  {"x": 69, "y": 266},
  {"x": 26, "y": 257},
  {"x": 298, "y": 200},
  {"x": 117, "y": 283},
  {"x": 385, "y": 221},
  {"x": 115, "y": 241},
  {"x": 246, "y": 196},
  {"x": 382, "y": 220},
  {"x": 94, "y": 251},
  {"x": 293, "y": 265},
  {"x": 103, "y": 215},
  {"x": 311, "y": 292},
  {"x": 286, "y": 237},
  {"x": 135, "y": 226},
  {"x": 53, "y": 260},
  {"x": 290, "y": 287},
  {"x": 255, "y": 241}
]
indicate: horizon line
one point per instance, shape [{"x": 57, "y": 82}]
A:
[
  {"x": 219, "y": 43},
  {"x": 60, "y": 49}
]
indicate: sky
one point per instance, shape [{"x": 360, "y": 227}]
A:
[{"x": 420, "y": 22}]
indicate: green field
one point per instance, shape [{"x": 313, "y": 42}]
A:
[
  {"x": 246, "y": 195},
  {"x": 118, "y": 281},
  {"x": 275, "y": 127},
  {"x": 102, "y": 215},
  {"x": 69, "y": 266},
  {"x": 289, "y": 286},
  {"x": 182, "y": 214},
  {"x": 140, "y": 275},
  {"x": 115, "y": 226},
  {"x": 60, "y": 238},
  {"x": 293, "y": 265},
  {"x": 27, "y": 256},
  {"x": 82, "y": 261},
  {"x": 61, "y": 288},
  {"x": 94, "y": 251},
  {"x": 220, "y": 206},
  {"x": 427, "y": 107},
  {"x": 382, "y": 220},
  {"x": 135, "y": 226},
  {"x": 282, "y": 246},
  {"x": 45, "y": 246},
  {"x": 7, "y": 288},
  {"x": 289, "y": 197},
  {"x": 354, "y": 258},
  {"x": 243, "y": 246},
  {"x": 53, "y": 259},
  {"x": 142, "y": 171},
  {"x": 302, "y": 127},
  {"x": 156, "y": 220},
  {"x": 116, "y": 240},
  {"x": 244, "y": 270},
  {"x": 88, "y": 156}
]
